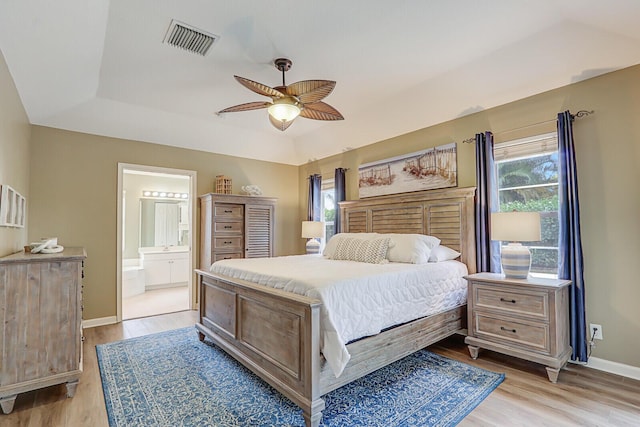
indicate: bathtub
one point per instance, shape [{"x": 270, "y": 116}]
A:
[{"x": 132, "y": 278}]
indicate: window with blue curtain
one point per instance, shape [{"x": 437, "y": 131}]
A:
[
  {"x": 315, "y": 198},
  {"x": 340, "y": 195},
  {"x": 527, "y": 178}
]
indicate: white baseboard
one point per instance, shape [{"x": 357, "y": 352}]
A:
[
  {"x": 614, "y": 367},
  {"x": 100, "y": 321}
]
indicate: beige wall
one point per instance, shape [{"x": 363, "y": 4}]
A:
[
  {"x": 608, "y": 159},
  {"x": 74, "y": 186},
  {"x": 14, "y": 154}
]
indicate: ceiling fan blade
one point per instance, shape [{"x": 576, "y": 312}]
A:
[
  {"x": 278, "y": 124},
  {"x": 320, "y": 111},
  {"x": 309, "y": 91},
  {"x": 246, "y": 107},
  {"x": 259, "y": 88}
]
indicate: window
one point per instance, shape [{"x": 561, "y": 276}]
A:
[
  {"x": 527, "y": 173},
  {"x": 328, "y": 207}
]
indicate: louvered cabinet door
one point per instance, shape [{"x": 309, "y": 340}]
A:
[{"x": 259, "y": 224}]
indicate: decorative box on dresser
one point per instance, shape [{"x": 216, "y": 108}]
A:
[
  {"x": 41, "y": 313},
  {"x": 525, "y": 318},
  {"x": 234, "y": 226}
]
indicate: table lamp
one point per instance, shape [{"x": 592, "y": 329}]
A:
[
  {"x": 515, "y": 227},
  {"x": 313, "y": 230}
]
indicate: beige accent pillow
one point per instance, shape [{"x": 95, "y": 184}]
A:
[
  {"x": 369, "y": 251},
  {"x": 332, "y": 243},
  {"x": 410, "y": 248}
]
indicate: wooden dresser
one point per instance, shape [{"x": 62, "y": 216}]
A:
[
  {"x": 41, "y": 314},
  {"x": 233, "y": 226},
  {"x": 525, "y": 318}
]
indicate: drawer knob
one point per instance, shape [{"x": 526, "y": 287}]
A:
[
  {"x": 502, "y": 328},
  {"x": 228, "y": 211},
  {"x": 227, "y": 227},
  {"x": 512, "y": 301},
  {"x": 228, "y": 243}
]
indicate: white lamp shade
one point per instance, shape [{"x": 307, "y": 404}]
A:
[
  {"x": 312, "y": 229},
  {"x": 284, "y": 110},
  {"x": 515, "y": 226}
]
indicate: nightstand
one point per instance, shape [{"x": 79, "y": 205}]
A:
[{"x": 525, "y": 318}]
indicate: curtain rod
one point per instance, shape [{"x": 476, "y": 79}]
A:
[
  {"x": 580, "y": 114},
  {"x": 345, "y": 169}
]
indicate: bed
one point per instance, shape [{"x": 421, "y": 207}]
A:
[{"x": 278, "y": 334}]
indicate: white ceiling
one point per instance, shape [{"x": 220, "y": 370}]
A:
[{"x": 101, "y": 66}]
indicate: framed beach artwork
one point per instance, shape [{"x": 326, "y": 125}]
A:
[{"x": 428, "y": 169}]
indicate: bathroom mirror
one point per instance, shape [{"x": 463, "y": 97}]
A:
[{"x": 163, "y": 222}]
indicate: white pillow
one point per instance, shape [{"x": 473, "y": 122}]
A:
[
  {"x": 330, "y": 247},
  {"x": 370, "y": 251},
  {"x": 443, "y": 253},
  {"x": 410, "y": 248}
]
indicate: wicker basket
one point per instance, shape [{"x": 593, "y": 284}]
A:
[{"x": 223, "y": 184}]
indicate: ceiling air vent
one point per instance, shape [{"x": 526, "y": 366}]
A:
[{"x": 189, "y": 38}]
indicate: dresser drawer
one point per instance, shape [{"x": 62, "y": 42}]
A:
[
  {"x": 230, "y": 243},
  {"x": 528, "y": 303},
  {"x": 223, "y": 210},
  {"x": 231, "y": 255},
  {"x": 534, "y": 336},
  {"x": 228, "y": 227}
]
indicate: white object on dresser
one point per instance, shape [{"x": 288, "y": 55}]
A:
[
  {"x": 41, "y": 322},
  {"x": 525, "y": 318}
]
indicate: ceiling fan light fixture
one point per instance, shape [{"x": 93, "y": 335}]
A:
[
  {"x": 303, "y": 98},
  {"x": 285, "y": 109}
]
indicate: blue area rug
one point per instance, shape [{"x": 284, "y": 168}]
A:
[{"x": 173, "y": 379}]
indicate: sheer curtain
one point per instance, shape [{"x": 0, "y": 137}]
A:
[
  {"x": 487, "y": 251},
  {"x": 315, "y": 197},
  {"x": 340, "y": 195},
  {"x": 570, "y": 263}
]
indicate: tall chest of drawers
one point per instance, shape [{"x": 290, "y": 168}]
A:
[
  {"x": 526, "y": 318},
  {"x": 234, "y": 226},
  {"x": 41, "y": 315}
]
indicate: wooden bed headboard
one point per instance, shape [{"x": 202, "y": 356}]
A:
[{"x": 447, "y": 214}]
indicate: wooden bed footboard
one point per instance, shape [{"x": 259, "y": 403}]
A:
[
  {"x": 273, "y": 333},
  {"x": 276, "y": 335}
]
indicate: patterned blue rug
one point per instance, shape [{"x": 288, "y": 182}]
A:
[{"x": 172, "y": 379}]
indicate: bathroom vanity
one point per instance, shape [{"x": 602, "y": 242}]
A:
[{"x": 165, "y": 267}]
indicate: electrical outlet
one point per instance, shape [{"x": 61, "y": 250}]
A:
[{"x": 598, "y": 333}]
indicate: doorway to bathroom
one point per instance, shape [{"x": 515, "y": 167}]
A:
[{"x": 155, "y": 246}]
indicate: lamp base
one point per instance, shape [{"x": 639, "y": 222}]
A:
[
  {"x": 516, "y": 261},
  {"x": 313, "y": 246}
]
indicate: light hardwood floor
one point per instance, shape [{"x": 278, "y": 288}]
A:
[
  {"x": 156, "y": 302},
  {"x": 582, "y": 396}
]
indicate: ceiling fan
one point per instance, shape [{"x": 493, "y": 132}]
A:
[{"x": 302, "y": 99}]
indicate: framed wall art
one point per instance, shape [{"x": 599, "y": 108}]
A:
[
  {"x": 428, "y": 169},
  {"x": 12, "y": 207}
]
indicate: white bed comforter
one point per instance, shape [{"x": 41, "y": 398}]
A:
[{"x": 358, "y": 299}]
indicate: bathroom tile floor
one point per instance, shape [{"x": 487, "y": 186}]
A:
[{"x": 157, "y": 301}]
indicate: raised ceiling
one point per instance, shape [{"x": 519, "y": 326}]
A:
[{"x": 101, "y": 66}]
